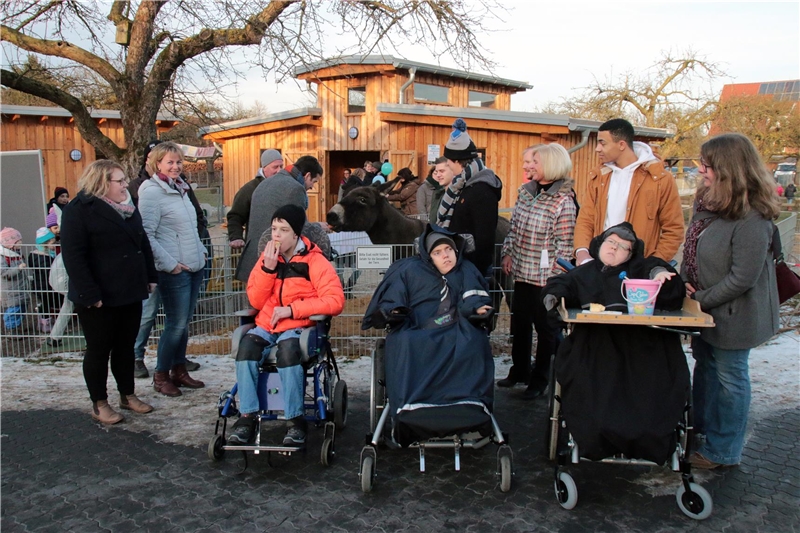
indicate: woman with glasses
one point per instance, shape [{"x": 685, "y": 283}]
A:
[
  {"x": 542, "y": 226},
  {"x": 623, "y": 388},
  {"x": 110, "y": 265},
  {"x": 171, "y": 224},
  {"x": 728, "y": 268}
]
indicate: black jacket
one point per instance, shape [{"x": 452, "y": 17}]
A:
[
  {"x": 107, "y": 257},
  {"x": 476, "y": 213}
]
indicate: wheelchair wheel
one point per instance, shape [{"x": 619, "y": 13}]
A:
[
  {"x": 340, "y": 404},
  {"x": 695, "y": 503},
  {"x": 215, "y": 448},
  {"x": 367, "y": 468},
  {"x": 566, "y": 491},
  {"x": 505, "y": 473},
  {"x": 377, "y": 391},
  {"x": 327, "y": 453}
]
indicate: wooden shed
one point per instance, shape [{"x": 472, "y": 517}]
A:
[
  {"x": 53, "y": 131},
  {"x": 381, "y": 107}
]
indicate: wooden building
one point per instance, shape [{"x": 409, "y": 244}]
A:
[
  {"x": 53, "y": 131},
  {"x": 379, "y": 107}
]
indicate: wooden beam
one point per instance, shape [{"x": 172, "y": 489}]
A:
[
  {"x": 14, "y": 118},
  {"x": 102, "y": 121},
  {"x": 479, "y": 124},
  {"x": 297, "y": 122},
  {"x": 43, "y": 118},
  {"x": 344, "y": 71}
]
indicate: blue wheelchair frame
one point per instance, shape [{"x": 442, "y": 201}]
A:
[{"x": 327, "y": 406}]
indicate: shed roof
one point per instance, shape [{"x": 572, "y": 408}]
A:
[
  {"x": 263, "y": 119},
  {"x": 405, "y": 64},
  {"x": 61, "y": 112}
]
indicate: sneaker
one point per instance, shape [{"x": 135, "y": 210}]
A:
[
  {"x": 242, "y": 431},
  {"x": 191, "y": 366},
  {"x": 139, "y": 369},
  {"x": 296, "y": 435}
]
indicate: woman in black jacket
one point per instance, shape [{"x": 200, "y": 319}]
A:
[{"x": 110, "y": 265}]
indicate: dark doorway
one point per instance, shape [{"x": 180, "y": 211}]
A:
[{"x": 338, "y": 160}]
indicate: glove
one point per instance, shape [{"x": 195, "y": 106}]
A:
[
  {"x": 554, "y": 319},
  {"x": 485, "y": 320},
  {"x": 397, "y": 316}
]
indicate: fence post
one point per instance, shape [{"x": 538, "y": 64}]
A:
[{"x": 228, "y": 283}]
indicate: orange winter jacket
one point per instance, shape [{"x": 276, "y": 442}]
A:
[
  {"x": 654, "y": 209},
  {"x": 307, "y": 283}
]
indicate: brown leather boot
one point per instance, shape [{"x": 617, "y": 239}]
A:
[
  {"x": 163, "y": 384},
  {"x": 102, "y": 412},
  {"x": 131, "y": 402},
  {"x": 181, "y": 378}
]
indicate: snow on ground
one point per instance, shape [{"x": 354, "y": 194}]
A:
[{"x": 190, "y": 419}]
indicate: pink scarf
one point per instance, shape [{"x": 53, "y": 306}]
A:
[{"x": 179, "y": 185}]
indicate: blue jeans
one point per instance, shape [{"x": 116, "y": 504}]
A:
[
  {"x": 149, "y": 312},
  {"x": 721, "y": 398},
  {"x": 179, "y": 296},
  {"x": 292, "y": 378}
]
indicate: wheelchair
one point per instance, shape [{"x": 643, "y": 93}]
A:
[
  {"x": 467, "y": 437},
  {"x": 692, "y": 499},
  {"x": 325, "y": 403}
]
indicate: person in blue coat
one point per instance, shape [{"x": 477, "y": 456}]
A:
[{"x": 439, "y": 366}]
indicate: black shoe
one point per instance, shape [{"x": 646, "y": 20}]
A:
[
  {"x": 296, "y": 435},
  {"x": 533, "y": 392},
  {"x": 242, "y": 431},
  {"x": 139, "y": 369},
  {"x": 510, "y": 381},
  {"x": 191, "y": 366},
  {"x": 54, "y": 342}
]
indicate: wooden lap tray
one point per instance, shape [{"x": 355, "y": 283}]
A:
[{"x": 689, "y": 316}]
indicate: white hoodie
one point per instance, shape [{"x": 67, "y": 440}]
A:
[{"x": 620, "y": 185}]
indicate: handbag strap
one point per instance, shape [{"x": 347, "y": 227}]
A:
[{"x": 777, "y": 247}]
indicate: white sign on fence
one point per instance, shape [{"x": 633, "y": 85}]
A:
[{"x": 374, "y": 257}]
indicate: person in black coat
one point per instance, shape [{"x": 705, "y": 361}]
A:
[
  {"x": 110, "y": 265},
  {"x": 623, "y": 388},
  {"x": 470, "y": 203},
  {"x": 439, "y": 365}
]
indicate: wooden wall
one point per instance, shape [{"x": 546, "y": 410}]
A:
[{"x": 55, "y": 137}]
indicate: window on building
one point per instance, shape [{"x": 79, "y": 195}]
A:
[
  {"x": 357, "y": 100},
  {"x": 432, "y": 94},
  {"x": 481, "y": 99}
]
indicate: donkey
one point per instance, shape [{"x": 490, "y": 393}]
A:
[{"x": 365, "y": 209}]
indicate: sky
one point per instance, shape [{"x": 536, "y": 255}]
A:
[{"x": 560, "y": 47}]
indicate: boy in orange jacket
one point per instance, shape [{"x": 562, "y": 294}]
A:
[{"x": 294, "y": 281}]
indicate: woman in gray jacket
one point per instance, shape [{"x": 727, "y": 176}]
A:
[
  {"x": 728, "y": 269},
  {"x": 171, "y": 225}
]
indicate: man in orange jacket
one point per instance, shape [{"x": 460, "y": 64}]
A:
[
  {"x": 631, "y": 185},
  {"x": 294, "y": 282}
]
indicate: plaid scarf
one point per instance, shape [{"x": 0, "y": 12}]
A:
[
  {"x": 453, "y": 192},
  {"x": 696, "y": 227},
  {"x": 124, "y": 210},
  {"x": 178, "y": 184}
]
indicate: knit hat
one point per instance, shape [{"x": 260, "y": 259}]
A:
[
  {"x": 294, "y": 215},
  {"x": 459, "y": 146},
  {"x": 9, "y": 236},
  {"x": 268, "y": 156},
  {"x": 623, "y": 230},
  {"x": 152, "y": 144},
  {"x": 43, "y": 235},
  {"x": 434, "y": 239},
  {"x": 51, "y": 219},
  {"x": 59, "y": 191}
]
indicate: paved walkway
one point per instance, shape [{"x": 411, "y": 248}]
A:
[{"x": 62, "y": 472}]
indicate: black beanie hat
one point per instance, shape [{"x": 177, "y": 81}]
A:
[
  {"x": 624, "y": 230},
  {"x": 434, "y": 239},
  {"x": 152, "y": 144},
  {"x": 294, "y": 215},
  {"x": 59, "y": 191}
]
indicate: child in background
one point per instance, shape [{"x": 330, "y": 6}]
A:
[
  {"x": 13, "y": 278},
  {"x": 39, "y": 263}
]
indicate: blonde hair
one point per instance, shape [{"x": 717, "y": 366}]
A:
[
  {"x": 94, "y": 180},
  {"x": 741, "y": 179},
  {"x": 157, "y": 154},
  {"x": 556, "y": 163}
]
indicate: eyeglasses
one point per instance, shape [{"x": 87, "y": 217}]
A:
[
  {"x": 704, "y": 166},
  {"x": 617, "y": 244},
  {"x": 120, "y": 181}
]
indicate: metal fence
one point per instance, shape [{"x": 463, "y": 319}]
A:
[{"x": 214, "y": 321}]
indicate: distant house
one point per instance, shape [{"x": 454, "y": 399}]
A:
[
  {"x": 53, "y": 131},
  {"x": 382, "y": 107},
  {"x": 787, "y": 90}
]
